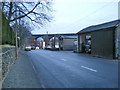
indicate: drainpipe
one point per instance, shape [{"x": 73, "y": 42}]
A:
[{"x": 78, "y": 45}]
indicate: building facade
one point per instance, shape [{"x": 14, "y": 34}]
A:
[
  {"x": 100, "y": 40},
  {"x": 67, "y": 42}
]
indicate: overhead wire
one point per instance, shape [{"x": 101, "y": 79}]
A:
[{"x": 112, "y": 3}]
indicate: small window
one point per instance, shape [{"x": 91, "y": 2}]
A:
[{"x": 88, "y": 37}]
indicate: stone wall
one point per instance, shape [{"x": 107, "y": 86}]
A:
[{"x": 8, "y": 58}]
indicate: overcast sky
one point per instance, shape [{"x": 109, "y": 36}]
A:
[{"x": 71, "y": 16}]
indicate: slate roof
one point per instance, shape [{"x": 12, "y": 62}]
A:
[{"x": 100, "y": 26}]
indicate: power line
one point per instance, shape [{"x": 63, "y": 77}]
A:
[{"x": 93, "y": 13}]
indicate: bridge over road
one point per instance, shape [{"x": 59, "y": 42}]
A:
[{"x": 47, "y": 37}]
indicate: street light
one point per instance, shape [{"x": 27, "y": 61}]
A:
[{"x": 18, "y": 38}]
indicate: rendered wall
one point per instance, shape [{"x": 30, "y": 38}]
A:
[
  {"x": 103, "y": 43},
  {"x": 118, "y": 42},
  {"x": 68, "y": 44}
]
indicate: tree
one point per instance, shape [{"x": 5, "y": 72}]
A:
[
  {"x": 36, "y": 12},
  {"x": 23, "y": 32},
  {"x": 24, "y": 12},
  {"x": 8, "y": 36}
]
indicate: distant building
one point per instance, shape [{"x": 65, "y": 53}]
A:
[
  {"x": 67, "y": 42},
  {"x": 62, "y": 43},
  {"x": 100, "y": 40}
]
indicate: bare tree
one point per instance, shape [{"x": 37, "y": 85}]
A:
[
  {"x": 23, "y": 32},
  {"x": 36, "y": 12}
]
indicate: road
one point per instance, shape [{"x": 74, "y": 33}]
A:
[{"x": 65, "y": 69}]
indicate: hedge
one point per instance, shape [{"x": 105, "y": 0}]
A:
[{"x": 8, "y": 35}]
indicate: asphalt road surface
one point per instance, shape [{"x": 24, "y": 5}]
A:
[{"x": 65, "y": 69}]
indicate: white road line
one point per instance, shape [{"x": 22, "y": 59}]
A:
[
  {"x": 36, "y": 73},
  {"x": 42, "y": 86},
  {"x": 33, "y": 67},
  {"x": 89, "y": 68},
  {"x": 63, "y": 59}
]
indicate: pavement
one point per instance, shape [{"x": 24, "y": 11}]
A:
[
  {"x": 61, "y": 69},
  {"x": 21, "y": 75}
]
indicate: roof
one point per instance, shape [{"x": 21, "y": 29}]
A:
[
  {"x": 100, "y": 26},
  {"x": 69, "y": 37}
]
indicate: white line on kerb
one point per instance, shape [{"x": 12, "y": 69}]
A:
[
  {"x": 64, "y": 59},
  {"x": 89, "y": 68}
]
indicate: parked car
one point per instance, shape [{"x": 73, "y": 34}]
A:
[
  {"x": 49, "y": 47},
  {"x": 33, "y": 47},
  {"x": 27, "y": 48},
  {"x": 37, "y": 47}
]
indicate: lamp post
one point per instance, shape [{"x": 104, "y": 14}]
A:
[
  {"x": 16, "y": 36},
  {"x": 16, "y": 45}
]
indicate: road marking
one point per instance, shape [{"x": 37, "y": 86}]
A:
[
  {"x": 33, "y": 67},
  {"x": 42, "y": 86},
  {"x": 63, "y": 59},
  {"x": 36, "y": 73},
  {"x": 89, "y": 68}
]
